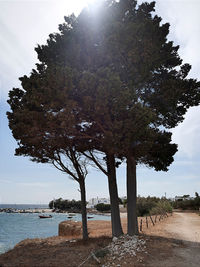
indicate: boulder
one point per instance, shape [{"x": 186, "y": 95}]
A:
[{"x": 69, "y": 228}]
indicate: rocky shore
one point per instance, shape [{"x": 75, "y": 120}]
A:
[
  {"x": 13, "y": 210},
  {"x": 90, "y": 212}
]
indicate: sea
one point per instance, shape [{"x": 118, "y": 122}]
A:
[{"x": 15, "y": 227}]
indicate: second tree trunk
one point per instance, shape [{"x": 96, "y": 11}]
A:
[
  {"x": 114, "y": 199},
  {"x": 83, "y": 209},
  {"x": 132, "y": 224}
]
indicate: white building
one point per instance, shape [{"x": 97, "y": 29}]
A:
[
  {"x": 94, "y": 201},
  {"x": 181, "y": 198}
]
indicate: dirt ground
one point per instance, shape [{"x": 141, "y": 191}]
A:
[
  {"x": 183, "y": 232},
  {"x": 174, "y": 241}
]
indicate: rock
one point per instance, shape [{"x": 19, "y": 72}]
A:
[
  {"x": 69, "y": 228},
  {"x": 126, "y": 245}
]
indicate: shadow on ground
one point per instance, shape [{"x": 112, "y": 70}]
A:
[{"x": 169, "y": 252}]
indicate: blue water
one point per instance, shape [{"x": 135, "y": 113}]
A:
[{"x": 15, "y": 227}]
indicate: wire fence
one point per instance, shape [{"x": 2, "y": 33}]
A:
[{"x": 148, "y": 221}]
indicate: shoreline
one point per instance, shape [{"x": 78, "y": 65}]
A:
[
  {"x": 48, "y": 210},
  {"x": 29, "y": 210}
]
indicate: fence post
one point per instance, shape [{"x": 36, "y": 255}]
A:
[
  {"x": 141, "y": 225},
  {"x": 152, "y": 220},
  {"x": 155, "y": 218},
  {"x": 147, "y": 221}
]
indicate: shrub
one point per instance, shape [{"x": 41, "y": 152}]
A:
[
  {"x": 192, "y": 204},
  {"x": 65, "y": 204},
  {"x": 103, "y": 207},
  {"x": 152, "y": 205},
  {"x": 144, "y": 205},
  {"x": 161, "y": 207},
  {"x": 101, "y": 253}
]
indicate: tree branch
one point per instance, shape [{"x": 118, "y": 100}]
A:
[
  {"x": 91, "y": 157},
  {"x": 65, "y": 169}
]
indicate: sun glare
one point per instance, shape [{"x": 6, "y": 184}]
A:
[{"x": 76, "y": 6}]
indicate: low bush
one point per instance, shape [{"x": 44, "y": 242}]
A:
[
  {"x": 103, "y": 207},
  {"x": 190, "y": 204},
  {"x": 65, "y": 204},
  {"x": 161, "y": 207},
  {"x": 152, "y": 205},
  {"x": 101, "y": 253},
  {"x": 145, "y": 204}
]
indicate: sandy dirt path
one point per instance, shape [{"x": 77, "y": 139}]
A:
[
  {"x": 183, "y": 228},
  {"x": 186, "y": 226}
]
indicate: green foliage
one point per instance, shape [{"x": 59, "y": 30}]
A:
[
  {"x": 144, "y": 205},
  {"x": 125, "y": 202},
  {"x": 65, "y": 204},
  {"x": 152, "y": 205},
  {"x": 101, "y": 253},
  {"x": 110, "y": 78},
  {"x": 161, "y": 207},
  {"x": 192, "y": 204},
  {"x": 103, "y": 207}
]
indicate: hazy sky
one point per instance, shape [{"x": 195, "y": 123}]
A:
[{"x": 23, "y": 25}]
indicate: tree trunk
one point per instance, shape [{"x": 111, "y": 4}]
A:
[
  {"x": 132, "y": 224},
  {"x": 83, "y": 209},
  {"x": 114, "y": 200}
]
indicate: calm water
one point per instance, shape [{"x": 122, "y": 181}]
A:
[{"x": 15, "y": 227}]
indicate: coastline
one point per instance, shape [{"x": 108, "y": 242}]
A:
[
  {"x": 48, "y": 210},
  {"x": 34, "y": 210}
]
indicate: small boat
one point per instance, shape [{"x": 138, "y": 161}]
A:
[
  {"x": 90, "y": 217},
  {"x": 45, "y": 216},
  {"x": 69, "y": 217},
  {"x": 72, "y": 214}
]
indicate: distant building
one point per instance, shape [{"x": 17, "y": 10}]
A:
[
  {"x": 181, "y": 198},
  {"x": 94, "y": 201}
]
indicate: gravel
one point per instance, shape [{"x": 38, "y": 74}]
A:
[{"x": 122, "y": 247}]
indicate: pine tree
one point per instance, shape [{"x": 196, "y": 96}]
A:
[{"x": 43, "y": 126}]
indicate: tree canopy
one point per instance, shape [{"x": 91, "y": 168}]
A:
[{"x": 114, "y": 75}]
